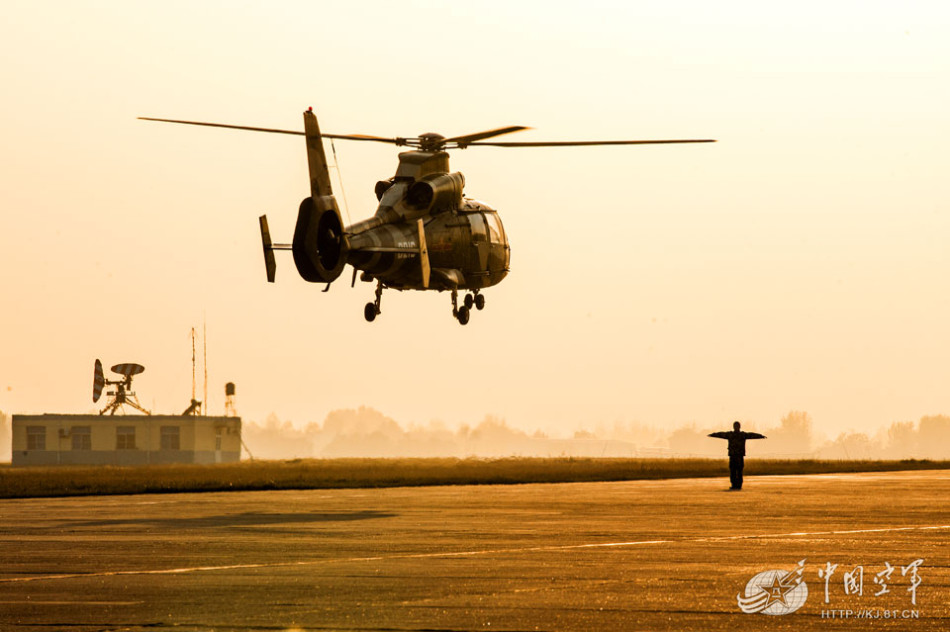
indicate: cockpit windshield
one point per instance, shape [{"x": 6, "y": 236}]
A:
[
  {"x": 494, "y": 228},
  {"x": 477, "y": 223}
]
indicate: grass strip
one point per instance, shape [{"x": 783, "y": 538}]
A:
[{"x": 82, "y": 480}]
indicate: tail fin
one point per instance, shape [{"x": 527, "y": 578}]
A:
[
  {"x": 320, "y": 245},
  {"x": 316, "y": 157}
]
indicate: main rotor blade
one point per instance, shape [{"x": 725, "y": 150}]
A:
[
  {"x": 587, "y": 143},
  {"x": 462, "y": 141},
  {"x": 244, "y": 127},
  {"x": 376, "y": 139},
  {"x": 271, "y": 130},
  {"x": 470, "y": 138}
]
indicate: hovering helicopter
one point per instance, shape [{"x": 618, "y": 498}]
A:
[{"x": 425, "y": 235}]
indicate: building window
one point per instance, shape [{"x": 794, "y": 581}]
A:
[
  {"x": 35, "y": 437},
  {"x": 125, "y": 438},
  {"x": 82, "y": 437},
  {"x": 171, "y": 438}
]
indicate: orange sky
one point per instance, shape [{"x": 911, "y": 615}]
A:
[{"x": 799, "y": 263}]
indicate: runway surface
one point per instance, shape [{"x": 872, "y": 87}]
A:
[{"x": 643, "y": 555}]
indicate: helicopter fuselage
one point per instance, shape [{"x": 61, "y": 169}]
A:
[{"x": 467, "y": 249}]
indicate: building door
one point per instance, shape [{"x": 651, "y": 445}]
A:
[{"x": 217, "y": 444}]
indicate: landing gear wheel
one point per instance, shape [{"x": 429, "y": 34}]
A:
[
  {"x": 463, "y": 316},
  {"x": 469, "y": 301},
  {"x": 369, "y": 312},
  {"x": 479, "y": 302}
]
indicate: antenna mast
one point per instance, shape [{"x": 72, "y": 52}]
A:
[
  {"x": 195, "y": 407},
  {"x": 204, "y": 362},
  {"x": 193, "y": 377}
]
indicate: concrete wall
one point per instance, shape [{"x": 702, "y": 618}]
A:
[{"x": 201, "y": 440}]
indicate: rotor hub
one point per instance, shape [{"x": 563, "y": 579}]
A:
[{"x": 431, "y": 141}]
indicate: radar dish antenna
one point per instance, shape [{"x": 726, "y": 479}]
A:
[
  {"x": 128, "y": 369},
  {"x": 122, "y": 395},
  {"x": 98, "y": 382}
]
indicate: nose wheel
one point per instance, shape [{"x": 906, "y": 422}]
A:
[{"x": 464, "y": 313}]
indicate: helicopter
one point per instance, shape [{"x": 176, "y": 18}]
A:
[{"x": 426, "y": 234}]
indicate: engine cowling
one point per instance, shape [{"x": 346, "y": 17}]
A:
[
  {"x": 381, "y": 187},
  {"x": 319, "y": 245},
  {"x": 436, "y": 192}
]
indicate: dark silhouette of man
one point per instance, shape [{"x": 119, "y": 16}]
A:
[{"x": 737, "y": 439}]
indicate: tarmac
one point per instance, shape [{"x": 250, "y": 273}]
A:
[{"x": 639, "y": 555}]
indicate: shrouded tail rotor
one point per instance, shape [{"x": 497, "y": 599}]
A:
[{"x": 319, "y": 245}]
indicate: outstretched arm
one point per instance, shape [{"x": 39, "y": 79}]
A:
[
  {"x": 755, "y": 435},
  {"x": 720, "y": 435}
]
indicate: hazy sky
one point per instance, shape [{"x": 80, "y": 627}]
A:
[{"x": 799, "y": 263}]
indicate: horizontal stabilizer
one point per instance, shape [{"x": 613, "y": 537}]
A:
[{"x": 270, "y": 263}]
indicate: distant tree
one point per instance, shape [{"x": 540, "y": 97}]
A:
[
  {"x": 901, "y": 440},
  {"x": 493, "y": 437},
  {"x": 793, "y": 436},
  {"x": 851, "y": 445},
  {"x": 633, "y": 432},
  {"x": 361, "y": 421},
  {"x": 431, "y": 440},
  {"x": 690, "y": 441},
  {"x": 276, "y": 439},
  {"x": 366, "y": 432}
]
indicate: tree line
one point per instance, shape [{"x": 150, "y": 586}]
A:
[{"x": 365, "y": 432}]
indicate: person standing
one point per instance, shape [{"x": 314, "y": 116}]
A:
[{"x": 737, "y": 439}]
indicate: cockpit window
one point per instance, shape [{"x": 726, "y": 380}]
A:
[
  {"x": 477, "y": 222},
  {"x": 494, "y": 228}
]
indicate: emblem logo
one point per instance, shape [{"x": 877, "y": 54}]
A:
[{"x": 775, "y": 592}]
